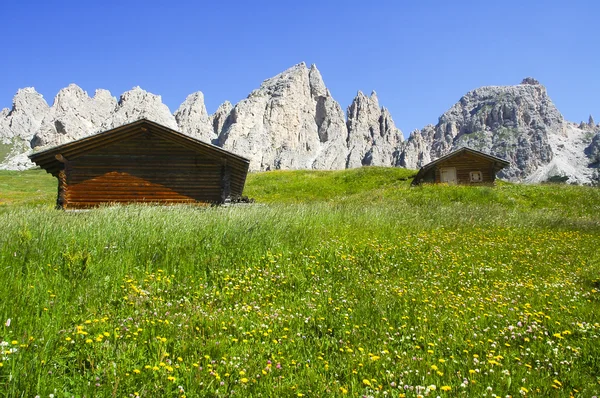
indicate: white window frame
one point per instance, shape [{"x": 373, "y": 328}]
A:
[{"x": 476, "y": 173}]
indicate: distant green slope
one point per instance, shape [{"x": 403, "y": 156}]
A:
[
  {"x": 31, "y": 187},
  {"x": 310, "y": 185}
]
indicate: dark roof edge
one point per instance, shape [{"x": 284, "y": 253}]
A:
[{"x": 465, "y": 149}]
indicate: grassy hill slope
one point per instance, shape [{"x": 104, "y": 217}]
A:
[{"x": 344, "y": 283}]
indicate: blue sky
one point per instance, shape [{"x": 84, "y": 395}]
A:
[{"x": 420, "y": 56}]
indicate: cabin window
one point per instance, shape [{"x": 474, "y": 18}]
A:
[{"x": 476, "y": 176}]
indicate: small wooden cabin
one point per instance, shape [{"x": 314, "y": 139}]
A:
[
  {"x": 464, "y": 166},
  {"x": 142, "y": 162}
]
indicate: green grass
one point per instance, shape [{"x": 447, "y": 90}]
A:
[
  {"x": 334, "y": 283},
  {"x": 27, "y": 188},
  {"x": 304, "y": 185}
]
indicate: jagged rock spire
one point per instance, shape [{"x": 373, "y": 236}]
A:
[
  {"x": 193, "y": 120},
  {"x": 373, "y": 138}
]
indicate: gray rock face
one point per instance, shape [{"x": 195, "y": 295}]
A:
[
  {"x": 511, "y": 122},
  {"x": 415, "y": 152},
  {"x": 193, "y": 120},
  {"x": 25, "y": 118},
  {"x": 136, "y": 104},
  {"x": 220, "y": 120},
  {"x": 18, "y": 125},
  {"x": 592, "y": 151},
  {"x": 373, "y": 138},
  {"x": 290, "y": 122},
  {"x": 74, "y": 115}
]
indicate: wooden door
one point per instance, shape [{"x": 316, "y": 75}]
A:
[{"x": 448, "y": 175}]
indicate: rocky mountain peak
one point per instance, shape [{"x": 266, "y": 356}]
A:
[
  {"x": 103, "y": 95},
  {"x": 24, "y": 118},
  {"x": 136, "y": 104},
  {"x": 193, "y": 119},
  {"x": 74, "y": 115},
  {"x": 317, "y": 85},
  {"x": 70, "y": 97},
  {"x": 220, "y": 119},
  {"x": 372, "y": 135},
  {"x": 289, "y": 122},
  {"x": 27, "y": 99},
  {"x": 292, "y": 81}
]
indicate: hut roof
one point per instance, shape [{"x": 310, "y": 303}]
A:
[{"x": 48, "y": 159}]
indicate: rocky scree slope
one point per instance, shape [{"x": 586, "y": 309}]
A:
[{"x": 292, "y": 122}]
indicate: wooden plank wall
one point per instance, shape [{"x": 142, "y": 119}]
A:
[
  {"x": 144, "y": 168},
  {"x": 464, "y": 164}
]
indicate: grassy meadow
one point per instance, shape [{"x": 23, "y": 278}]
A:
[{"x": 347, "y": 283}]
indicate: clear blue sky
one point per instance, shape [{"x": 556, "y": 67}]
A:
[{"x": 420, "y": 56}]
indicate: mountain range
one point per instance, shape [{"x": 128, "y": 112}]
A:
[{"x": 292, "y": 122}]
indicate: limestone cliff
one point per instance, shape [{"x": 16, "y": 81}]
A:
[
  {"x": 193, "y": 120},
  {"x": 289, "y": 122},
  {"x": 373, "y": 138}
]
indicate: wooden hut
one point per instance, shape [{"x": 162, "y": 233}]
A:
[
  {"x": 142, "y": 162},
  {"x": 463, "y": 166}
]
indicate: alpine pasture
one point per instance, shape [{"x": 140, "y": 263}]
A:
[{"x": 347, "y": 283}]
